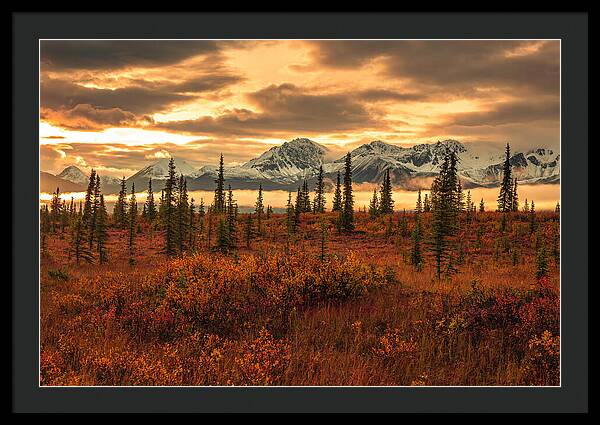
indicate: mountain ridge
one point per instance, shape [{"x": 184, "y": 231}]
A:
[{"x": 284, "y": 166}]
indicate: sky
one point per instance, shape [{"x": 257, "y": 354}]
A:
[{"x": 117, "y": 106}]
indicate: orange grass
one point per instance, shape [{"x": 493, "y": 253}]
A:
[{"x": 276, "y": 314}]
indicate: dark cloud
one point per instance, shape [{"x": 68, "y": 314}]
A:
[
  {"x": 97, "y": 108},
  {"x": 453, "y": 63},
  {"x": 58, "y": 94},
  {"x": 85, "y": 117},
  {"x": 284, "y": 108},
  {"x": 93, "y": 54},
  {"x": 377, "y": 95},
  {"x": 508, "y": 113}
]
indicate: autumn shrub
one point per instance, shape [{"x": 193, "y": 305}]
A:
[{"x": 541, "y": 365}]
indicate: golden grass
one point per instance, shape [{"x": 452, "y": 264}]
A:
[{"x": 278, "y": 315}]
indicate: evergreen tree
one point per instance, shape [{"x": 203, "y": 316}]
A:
[
  {"x": 445, "y": 207},
  {"x": 248, "y": 230},
  {"x": 151, "y": 213},
  {"x": 192, "y": 226},
  {"x": 231, "y": 210},
  {"x": 120, "y": 208},
  {"x": 542, "y": 262},
  {"x": 79, "y": 247},
  {"x": 102, "y": 231},
  {"x": 403, "y": 224},
  {"x": 182, "y": 211},
  {"x": 298, "y": 205},
  {"x": 526, "y": 206},
  {"x": 469, "y": 207},
  {"x": 44, "y": 229},
  {"x": 337, "y": 195},
  {"x": 88, "y": 208},
  {"x": 557, "y": 208},
  {"x": 132, "y": 216},
  {"x": 169, "y": 214},
  {"x": 319, "y": 201},
  {"x": 460, "y": 197},
  {"x": 374, "y": 205},
  {"x": 222, "y": 236},
  {"x": 481, "y": 206},
  {"x": 514, "y": 197},
  {"x": 426, "y": 204},
  {"x": 505, "y": 196},
  {"x": 532, "y": 221},
  {"x": 55, "y": 210},
  {"x": 386, "y": 203},
  {"x": 416, "y": 258},
  {"x": 347, "y": 216},
  {"x": 269, "y": 212},
  {"x": 219, "y": 203},
  {"x": 306, "y": 207},
  {"x": 290, "y": 216},
  {"x": 419, "y": 205},
  {"x": 201, "y": 217},
  {"x": 259, "y": 209}
]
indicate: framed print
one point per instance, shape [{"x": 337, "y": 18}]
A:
[{"x": 226, "y": 213}]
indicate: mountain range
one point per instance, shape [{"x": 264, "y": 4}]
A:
[{"x": 285, "y": 166}]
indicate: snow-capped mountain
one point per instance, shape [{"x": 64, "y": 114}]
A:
[
  {"x": 160, "y": 169},
  {"x": 74, "y": 175},
  {"x": 288, "y": 162},
  {"x": 479, "y": 165},
  {"x": 284, "y": 166}
]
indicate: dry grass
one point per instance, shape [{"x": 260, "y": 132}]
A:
[{"x": 275, "y": 314}]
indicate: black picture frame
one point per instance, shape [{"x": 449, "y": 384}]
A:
[{"x": 570, "y": 28}]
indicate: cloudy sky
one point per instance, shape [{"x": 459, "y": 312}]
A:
[{"x": 118, "y": 105}]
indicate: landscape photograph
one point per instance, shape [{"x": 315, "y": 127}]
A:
[{"x": 299, "y": 213}]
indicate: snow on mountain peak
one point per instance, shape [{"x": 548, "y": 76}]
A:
[{"x": 160, "y": 169}]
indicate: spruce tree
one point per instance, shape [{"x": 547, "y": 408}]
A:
[
  {"x": 541, "y": 262},
  {"x": 319, "y": 201},
  {"x": 526, "y": 206},
  {"x": 532, "y": 221},
  {"x": 168, "y": 205},
  {"x": 337, "y": 195},
  {"x": 231, "y": 211},
  {"x": 88, "y": 208},
  {"x": 514, "y": 197},
  {"x": 306, "y": 207},
  {"x": 79, "y": 247},
  {"x": 426, "y": 204},
  {"x": 403, "y": 224},
  {"x": 219, "y": 203},
  {"x": 192, "y": 226},
  {"x": 481, "y": 206},
  {"x": 55, "y": 210},
  {"x": 102, "y": 231},
  {"x": 259, "y": 208},
  {"x": 416, "y": 257},
  {"x": 419, "y": 205},
  {"x": 557, "y": 208},
  {"x": 386, "y": 203},
  {"x": 182, "y": 211},
  {"x": 132, "y": 216},
  {"x": 445, "y": 209},
  {"x": 505, "y": 195},
  {"x": 120, "y": 208},
  {"x": 298, "y": 205},
  {"x": 374, "y": 205},
  {"x": 151, "y": 213},
  {"x": 222, "y": 236},
  {"x": 290, "y": 216},
  {"x": 347, "y": 216}
]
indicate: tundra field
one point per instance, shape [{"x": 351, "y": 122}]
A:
[{"x": 316, "y": 307}]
